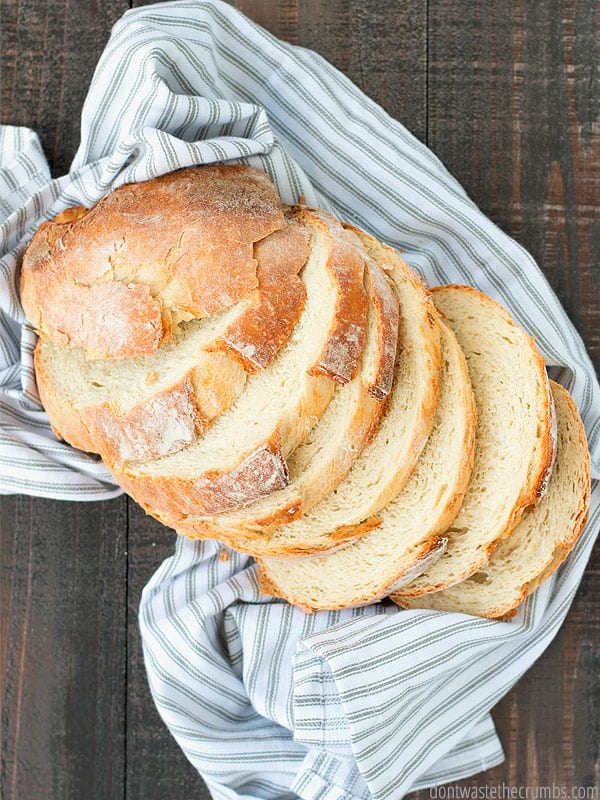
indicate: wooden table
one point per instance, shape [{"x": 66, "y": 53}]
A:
[{"x": 507, "y": 94}]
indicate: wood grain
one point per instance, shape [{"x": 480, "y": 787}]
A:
[
  {"x": 156, "y": 767},
  {"x": 64, "y": 592},
  {"x": 380, "y": 45},
  {"x": 514, "y": 112},
  {"x": 48, "y": 52},
  {"x": 63, "y": 576}
]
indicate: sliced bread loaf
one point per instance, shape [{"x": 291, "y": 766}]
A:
[
  {"x": 540, "y": 542},
  {"x": 335, "y": 442},
  {"x": 149, "y": 406},
  {"x": 243, "y": 455},
  {"x": 385, "y": 463},
  {"x": 515, "y": 433},
  {"x": 115, "y": 280},
  {"x": 409, "y": 536}
]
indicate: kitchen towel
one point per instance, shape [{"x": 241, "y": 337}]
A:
[{"x": 265, "y": 701}]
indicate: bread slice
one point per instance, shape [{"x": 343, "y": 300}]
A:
[
  {"x": 243, "y": 455},
  {"x": 540, "y": 542},
  {"x": 149, "y": 406},
  {"x": 115, "y": 280},
  {"x": 515, "y": 433},
  {"x": 409, "y": 535},
  {"x": 385, "y": 463}
]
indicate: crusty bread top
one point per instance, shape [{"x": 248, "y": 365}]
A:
[
  {"x": 147, "y": 406},
  {"x": 116, "y": 279},
  {"x": 540, "y": 542},
  {"x": 258, "y": 334},
  {"x": 515, "y": 433}
]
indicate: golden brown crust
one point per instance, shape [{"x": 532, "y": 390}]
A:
[
  {"x": 387, "y": 315},
  {"x": 148, "y": 255},
  {"x": 258, "y": 473},
  {"x": 341, "y": 354},
  {"x": 276, "y": 305},
  {"x": 70, "y": 214},
  {"x": 154, "y": 428}
]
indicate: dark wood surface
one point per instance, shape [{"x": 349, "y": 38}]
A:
[{"x": 507, "y": 94}]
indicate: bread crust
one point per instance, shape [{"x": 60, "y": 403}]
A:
[
  {"x": 387, "y": 315},
  {"x": 256, "y": 337},
  {"x": 262, "y": 470},
  {"x": 86, "y": 279},
  {"x": 162, "y": 424},
  {"x": 250, "y": 343},
  {"x": 341, "y": 353}
]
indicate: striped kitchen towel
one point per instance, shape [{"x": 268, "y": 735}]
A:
[{"x": 265, "y": 701}]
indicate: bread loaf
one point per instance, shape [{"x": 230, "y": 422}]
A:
[{"x": 270, "y": 377}]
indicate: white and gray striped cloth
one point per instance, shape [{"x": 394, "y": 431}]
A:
[{"x": 265, "y": 701}]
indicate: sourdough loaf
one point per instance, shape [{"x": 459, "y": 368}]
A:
[
  {"x": 268, "y": 376},
  {"x": 386, "y": 462},
  {"x": 515, "y": 433},
  {"x": 540, "y": 542},
  {"x": 408, "y": 537},
  {"x": 147, "y": 406},
  {"x": 243, "y": 455}
]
